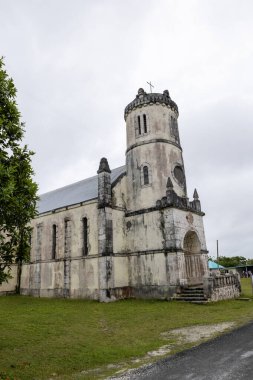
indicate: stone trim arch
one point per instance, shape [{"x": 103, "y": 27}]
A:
[
  {"x": 191, "y": 242},
  {"x": 194, "y": 265}
]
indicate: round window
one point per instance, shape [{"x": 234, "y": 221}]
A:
[{"x": 179, "y": 175}]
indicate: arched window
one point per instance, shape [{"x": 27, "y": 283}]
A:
[
  {"x": 85, "y": 236},
  {"x": 145, "y": 175},
  {"x": 174, "y": 129},
  {"x": 194, "y": 264},
  {"x": 191, "y": 242},
  {"x": 179, "y": 175},
  {"x": 67, "y": 243},
  {"x": 139, "y": 125},
  {"x": 54, "y": 241},
  {"x": 145, "y": 123}
]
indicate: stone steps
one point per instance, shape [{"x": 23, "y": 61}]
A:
[{"x": 193, "y": 294}]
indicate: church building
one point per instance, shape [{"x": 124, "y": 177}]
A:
[{"x": 126, "y": 232}]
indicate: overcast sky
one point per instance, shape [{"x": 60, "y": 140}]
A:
[{"x": 78, "y": 63}]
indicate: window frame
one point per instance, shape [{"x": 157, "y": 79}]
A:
[
  {"x": 85, "y": 246},
  {"x": 54, "y": 240},
  {"x": 149, "y": 172},
  {"x": 141, "y": 125}
]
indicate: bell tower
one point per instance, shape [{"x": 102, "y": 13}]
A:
[
  {"x": 164, "y": 229},
  {"x": 154, "y": 153}
]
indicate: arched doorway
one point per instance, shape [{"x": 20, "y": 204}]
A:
[{"x": 193, "y": 259}]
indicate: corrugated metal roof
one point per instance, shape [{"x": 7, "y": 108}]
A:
[{"x": 75, "y": 193}]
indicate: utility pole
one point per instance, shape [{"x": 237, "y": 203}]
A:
[{"x": 217, "y": 253}]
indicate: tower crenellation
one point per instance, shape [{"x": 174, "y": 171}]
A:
[{"x": 142, "y": 98}]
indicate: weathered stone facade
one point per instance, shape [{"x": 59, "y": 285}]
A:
[{"x": 129, "y": 232}]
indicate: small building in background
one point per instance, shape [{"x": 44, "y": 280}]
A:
[{"x": 213, "y": 266}]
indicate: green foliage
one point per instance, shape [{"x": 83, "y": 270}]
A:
[
  {"x": 18, "y": 190},
  {"x": 231, "y": 261}
]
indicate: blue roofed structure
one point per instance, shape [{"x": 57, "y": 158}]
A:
[
  {"x": 213, "y": 265},
  {"x": 75, "y": 193}
]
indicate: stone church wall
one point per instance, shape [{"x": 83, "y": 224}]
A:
[
  {"x": 10, "y": 286},
  {"x": 69, "y": 271},
  {"x": 25, "y": 278},
  {"x": 121, "y": 271},
  {"x": 149, "y": 275},
  {"x": 84, "y": 277},
  {"x": 43, "y": 241},
  {"x": 143, "y": 232},
  {"x": 177, "y": 223},
  {"x": 47, "y": 279},
  {"x": 119, "y": 231},
  {"x": 119, "y": 193}
]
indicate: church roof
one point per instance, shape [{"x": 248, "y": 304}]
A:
[{"x": 75, "y": 193}]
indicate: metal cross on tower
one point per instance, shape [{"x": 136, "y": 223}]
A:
[{"x": 150, "y": 84}]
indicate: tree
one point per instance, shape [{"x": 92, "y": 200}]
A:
[
  {"x": 231, "y": 261},
  {"x": 18, "y": 191}
]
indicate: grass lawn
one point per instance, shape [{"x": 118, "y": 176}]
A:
[{"x": 59, "y": 338}]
